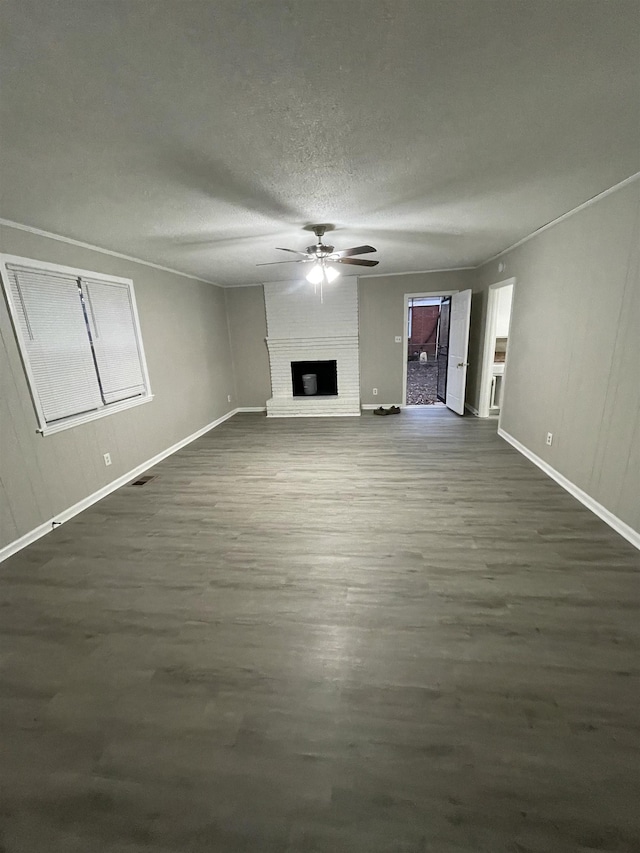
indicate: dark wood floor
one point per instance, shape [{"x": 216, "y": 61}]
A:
[{"x": 325, "y": 636}]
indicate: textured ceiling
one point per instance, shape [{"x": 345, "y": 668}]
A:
[{"x": 201, "y": 135}]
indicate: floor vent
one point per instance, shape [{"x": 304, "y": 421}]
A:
[{"x": 142, "y": 481}]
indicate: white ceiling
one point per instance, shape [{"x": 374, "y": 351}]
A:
[{"x": 201, "y": 135}]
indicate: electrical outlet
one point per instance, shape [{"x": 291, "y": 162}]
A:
[
  {"x": 549, "y": 438},
  {"x": 107, "y": 459},
  {"x": 398, "y": 339},
  {"x": 228, "y": 398},
  {"x": 375, "y": 392}
]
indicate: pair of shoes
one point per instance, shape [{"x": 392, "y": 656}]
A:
[{"x": 392, "y": 410}]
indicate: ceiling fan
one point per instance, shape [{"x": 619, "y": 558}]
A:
[{"x": 324, "y": 258}]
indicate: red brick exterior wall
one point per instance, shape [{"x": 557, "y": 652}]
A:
[{"x": 423, "y": 329}]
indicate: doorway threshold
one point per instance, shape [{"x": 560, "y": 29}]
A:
[{"x": 414, "y": 406}]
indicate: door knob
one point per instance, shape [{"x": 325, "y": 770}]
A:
[{"x": 463, "y": 364}]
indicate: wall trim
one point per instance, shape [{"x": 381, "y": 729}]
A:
[
  {"x": 472, "y": 409},
  {"x": 621, "y": 527},
  {"x": 317, "y": 415},
  {"x": 371, "y": 406},
  {"x": 248, "y": 284},
  {"x": 564, "y": 216},
  {"x": 413, "y": 272},
  {"x": 242, "y": 409},
  {"x": 40, "y": 233},
  {"x": 52, "y": 236},
  {"x": 357, "y": 275},
  {"x": 85, "y": 503},
  {"x": 404, "y": 406}
]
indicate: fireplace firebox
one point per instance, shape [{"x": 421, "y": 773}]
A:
[{"x": 326, "y": 373}]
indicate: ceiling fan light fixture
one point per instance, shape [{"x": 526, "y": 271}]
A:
[
  {"x": 324, "y": 260},
  {"x": 315, "y": 274},
  {"x": 332, "y": 273},
  {"x": 319, "y": 272}
]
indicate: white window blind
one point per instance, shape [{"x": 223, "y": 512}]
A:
[
  {"x": 79, "y": 337},
  {"x": 54, "y": 332},
  {"x": 110, "y": 313}
]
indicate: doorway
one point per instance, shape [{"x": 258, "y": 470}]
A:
[
  {"x": 436, "y": 340},
  {"x": 496, "y": 341},
  {"x": 422, "y": 386}
]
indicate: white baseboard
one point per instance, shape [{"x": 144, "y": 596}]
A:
[
  {"x": 602, "y": 512},
  {"x": 379, "y": 405},
  {"x": 621, "y": 527},
  {"x": 65, "y": 515},
  {"x": 242, "y": 409},
  {"x": 472, "y": 409},
  {"x": 319, "y": 415}
]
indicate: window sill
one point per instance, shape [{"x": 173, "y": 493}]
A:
[{"x": 77, "y": 420}]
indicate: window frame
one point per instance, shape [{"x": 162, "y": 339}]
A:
[{"x": 45, "y": 428}]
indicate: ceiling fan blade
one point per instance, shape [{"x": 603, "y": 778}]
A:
[
  {"x": 361, "y": 262},
  {"x": 292, "y": 261},
  {"x": 280, "y": 249},
  {"x": 356, "y": 250}
]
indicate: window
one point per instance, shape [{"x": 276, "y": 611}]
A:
[{"x": 79, "y": 339}]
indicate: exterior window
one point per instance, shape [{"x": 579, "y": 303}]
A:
[{"x": 79, "y": 338}]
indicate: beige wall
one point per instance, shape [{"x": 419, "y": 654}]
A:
[
  {"x": 574, "y": 362},
  {"x": 248, "y": 330},
  {"x": 381, "y": 318},
  {"x": 186, "y": 341},
  {"x": 574, "y": 349},
  {"x": 381, "y": 307}
]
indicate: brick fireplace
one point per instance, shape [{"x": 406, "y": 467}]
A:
[{"x": 301, "y": 328}]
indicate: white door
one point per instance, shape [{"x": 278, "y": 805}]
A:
[{"x": 458, "y": 350}]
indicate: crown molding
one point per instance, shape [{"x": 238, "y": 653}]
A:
[
  {"x": 28, "y": 228},
  {"x": 561, "y": 218},
  {"x": 412, "y": 272},
  {"x": 40, "y": 233}
]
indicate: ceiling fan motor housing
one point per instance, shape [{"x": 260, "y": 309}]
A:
[
  {"x": 324, "y": 255},
  {"x": 319, "y": 249}
]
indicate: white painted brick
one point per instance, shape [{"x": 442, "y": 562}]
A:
[
  {"x": 301, "y": 328},
  {"x": 295, "y": 311}
]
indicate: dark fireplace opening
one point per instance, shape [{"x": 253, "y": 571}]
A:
[{"x": 326, "y": 378}]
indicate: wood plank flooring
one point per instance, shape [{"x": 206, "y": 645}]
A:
[{"x": 371, "y": 635}]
